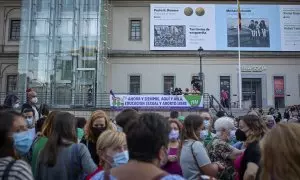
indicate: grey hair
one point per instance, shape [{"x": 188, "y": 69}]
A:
[{"x": 224, "y": 123}]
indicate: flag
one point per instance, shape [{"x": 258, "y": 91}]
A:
[{"x": 239, "y": 15}]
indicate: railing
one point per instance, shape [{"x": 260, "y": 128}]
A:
[{"x": 219, "y": 107}]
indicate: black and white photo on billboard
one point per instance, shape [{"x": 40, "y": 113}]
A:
[
  {"x": 254, "y": 32},
  {"x": 169, "y": 36}
]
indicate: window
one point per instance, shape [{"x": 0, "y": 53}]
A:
[
  {"x": 135, "y": 84},
  {"x": 14, "y": 34},
  {"x": 225, "y": 84},
  {"x": 67, "y": 67},
  {"x": 135, "y": 30},
  {"x": 11, "y": 83},
  {"x": 169, "y": 82},
  {"x": 91, "y": 6}
]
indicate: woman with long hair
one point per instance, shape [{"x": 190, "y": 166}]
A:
[
  {"x": 147, "y": 139},
  {"x": 98, "y": 123},
  {"x": 280, "y": 150},
  {"x": 194, "y": 159},
  {"x": 173, "y": 166},
  {"x": 112, "y": 151},
  {"x": 10, "y": 166},
  {"x": 62, "y": 157},
  {"x": 41, "y": 140},
  {"x": 254, "y": 129}
]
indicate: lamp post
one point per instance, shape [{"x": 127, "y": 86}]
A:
[{"x": 200, "y": 50}]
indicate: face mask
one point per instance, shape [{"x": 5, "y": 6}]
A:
[
  {"x": 97, "y": 131},
  {"x": 270, "y": 124},
  {"x": 206, "y": 124},
  {"x": 34, "y": 100},
  {"x": 15, "y": 106},
  {"x": 174, "y": 134},
  {"x": 240, "y": 135},
  {"x": 119, "y": 129},
  {"x": 120, "y": 159},
  {"x": 23, "y": 141},
  {"x": 203, "y": 134},
  {"x": 232, "y": 135},
  {"x": 29, "y": 122}
]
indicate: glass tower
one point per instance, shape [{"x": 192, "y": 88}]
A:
[{"x": 63, "y": 51}]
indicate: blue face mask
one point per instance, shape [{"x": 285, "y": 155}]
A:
[
  {"x": 203, "y": 134},
  {"x": 23, "y": 141},
  {"x": 232, "y": 135},
  {"x": 174, "y": 135},
  {"x": 29, "y": 122},
  {"x": 206, "y": 124},
  {"x": 120, "y": 159}
]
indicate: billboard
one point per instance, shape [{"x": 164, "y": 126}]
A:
[
  {"x": 215, "y": 27},
  {"x": 156, "y": 101}
]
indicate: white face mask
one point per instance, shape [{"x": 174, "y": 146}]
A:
[
  {"x": 34, "y": 100},
  {"x": 15, "y": 106}
]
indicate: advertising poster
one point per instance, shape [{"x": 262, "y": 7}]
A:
[
  {"x": 260, "y": 28},
  {"x": 215, "y": 27},
  {"x": 290, "y": 27},
  {"x": 278, "y": 87},
  {"x": 182, "y": 26},
  {"x": 156, "y": 101}
]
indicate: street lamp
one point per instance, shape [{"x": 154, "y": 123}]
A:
[{"x": 200, "y": 50}]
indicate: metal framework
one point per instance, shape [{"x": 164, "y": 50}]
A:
[{"x": 63, "y": 50}]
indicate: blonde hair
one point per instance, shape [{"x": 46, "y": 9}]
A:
[
  {"x": 280, "y": 149},
  {"x": 96, "y": 115},
  {"x": 257, "y": 127},
  {"x": 110, "y": 138},
  {"x": 47, "y": 126}
]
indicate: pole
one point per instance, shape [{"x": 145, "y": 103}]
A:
[
  {"x": 239, "y": 52},
  {"x": 201, "y": 79}
]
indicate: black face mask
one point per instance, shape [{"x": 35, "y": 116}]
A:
[
  {"x": 240, "y": 135},
  {"x": 98, "y": 130}
]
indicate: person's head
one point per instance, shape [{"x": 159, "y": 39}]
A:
[
  {"x": 81, "y": 122},
  {"x": 11, "y": 101},
  {"x": 148, "y": 139},
  {"x": 220, "y": 114},
  {"x": 254, "y": 113},
  {"x": 63, "y": 134},
  {"x": 31, "y": 96},
  {"x": 187, "y": 90},
  {"x": 252, "y": 21},
  {"x": 48, "y": 124},
  {"x": 281, "y": 145},
  {"x": 256, "y": 22},
  {"x": 272, "y": 110},
  {"x": 8, "y": 126},
  {"x": 44, "y": 110},
  {"x": 99, "y": 122},
  {"x": 270, "y": 121},
  {"x": 13, "y": 125},
  {"x": 174, "y": 114},
  {"x": 112, "y": 149},
  {"x": 225, "y": 129},
  {"x": 125, "y": 117},
  {"x": 193, "y": 125},
  {"x": 39, "y": 124},
  {"x": 208, "y": 121},
  {"x": 176, "y": 129},
  {"x": 253, "y": 127},
  {"x": 29, "y": 116}
]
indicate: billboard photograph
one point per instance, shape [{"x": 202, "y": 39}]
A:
[
  {"x": 254, "y": 33},
  {"x": 215, "y": 27}
]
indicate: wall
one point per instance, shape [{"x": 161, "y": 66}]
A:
[
  {"x": 153, "y": 69},
  {"x": 8, "y": 49}
]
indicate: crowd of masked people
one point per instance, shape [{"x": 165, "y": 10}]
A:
[{"x": 43, "y": 145}]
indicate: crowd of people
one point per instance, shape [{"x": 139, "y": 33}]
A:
[{"x": 43, "y": 145}]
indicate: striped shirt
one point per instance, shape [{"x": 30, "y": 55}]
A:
[{"x": 20, "y": 170}]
